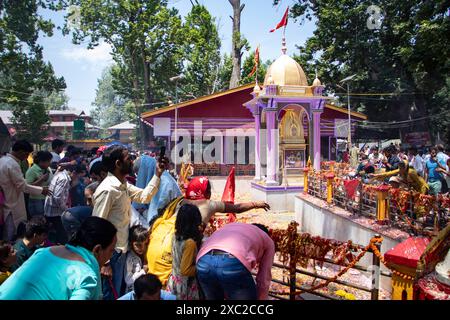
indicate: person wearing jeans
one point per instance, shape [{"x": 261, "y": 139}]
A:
[
  {"x": 112, "y": 284},
  {"x": 433, "y": 169},
  {"x": 112, "y": 201},
  {"x": 223, "y": 276},
  {"x": 226, "y": 259}
]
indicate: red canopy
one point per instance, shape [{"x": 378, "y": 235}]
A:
[{"x": 408, "y": 252}]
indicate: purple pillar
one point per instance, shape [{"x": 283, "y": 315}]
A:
[
  {"x": 257, "y": 116},
  {"x": 316, "y": 134},
  {"x": 272, "y": 148}
]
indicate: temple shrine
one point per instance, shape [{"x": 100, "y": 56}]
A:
[{"x": 280, "y": 126}]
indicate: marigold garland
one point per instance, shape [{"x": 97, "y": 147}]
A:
[{"x": 371, "y": 246}]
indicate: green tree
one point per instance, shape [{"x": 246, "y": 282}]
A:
[
  {"x": 145, "y": 37},
  {"x": 225, "y": 70},
  {"x": 247, "y": 68},
  {"x": 404, "y": 50},
  {"x": 57, "y": 100},
  {"x": 201, "y": 52},
  {"x": 109, "y": 106},
  {"x": 238, "y": 43},
  {"x": 23, "y": 72}
]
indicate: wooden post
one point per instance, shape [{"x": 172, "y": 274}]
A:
[
  {"x": 292, "y": 280},
  {"x": 330, "y": 177},
  {"x": 374, "y": 292},
  {"x": 382, "y": 204}
]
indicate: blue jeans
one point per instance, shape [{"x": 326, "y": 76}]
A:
[
  {"x": 36, "y": 207},
  {"x": 117, "y": 263},
  {"x": 225, "y": 277}
]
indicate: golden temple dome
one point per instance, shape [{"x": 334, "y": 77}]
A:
[
  {"x": 256, "y": 89},
  {"x": 285, "y": 71},
  {"x": 316, "y": 82}
]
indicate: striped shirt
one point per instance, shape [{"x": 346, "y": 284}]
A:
[{"x": 57, "y": 203}]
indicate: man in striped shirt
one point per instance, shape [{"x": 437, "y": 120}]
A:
[{"x": 58, "y": 202}]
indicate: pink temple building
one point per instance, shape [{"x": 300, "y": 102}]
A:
[{"x": 273, "y": 129}]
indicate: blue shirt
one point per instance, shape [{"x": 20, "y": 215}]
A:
[
  {"x": 433, "y": 175},
  {"x": 77, "y": 194},
  {"x": 393, "y": 161},
  {"x": 72, "y": 218},
  {"x": 81, "y": 212},
  {"x": 45, "y": 276}
]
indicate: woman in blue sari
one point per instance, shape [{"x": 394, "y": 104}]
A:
[
  {"x": 70, "y": 272},
  {"x": 167, "y": 191}
]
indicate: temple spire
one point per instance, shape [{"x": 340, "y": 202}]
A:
[{"x": 283, "y": 42}]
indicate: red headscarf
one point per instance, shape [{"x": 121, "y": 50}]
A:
[
  {"x": 197, "y": 188},
  {"x": 101, "y": 149}
]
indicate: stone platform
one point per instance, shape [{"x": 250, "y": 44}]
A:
[{"x": 280, "y": 198}]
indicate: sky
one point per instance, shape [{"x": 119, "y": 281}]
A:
[{"x": 81, "y": 68}]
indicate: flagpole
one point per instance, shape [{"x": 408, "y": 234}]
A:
[
  {"x": 283, "y": 41},
  {"x": 257, "y": 65}
]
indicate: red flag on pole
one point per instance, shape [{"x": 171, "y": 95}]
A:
[
  {"x": 283, "y": 22},
  {"x": 228, "y": 193},
  {"x": 256, "y": 60}
]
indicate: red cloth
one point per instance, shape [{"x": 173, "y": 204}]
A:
[
  {"x": 131, "y": 180},
  {"x": 101, "y": 149},
  {"x": 346, "y": 157},
  {"x": 429, "y": 288},
  {"x": 283, "y": 21},
  {"x": 350, "y": 187},
  {"x": 408, "y": 252},
  {"x": 228, "y": 193},
  {"x": 197, "y": 188},
  {"x": 256, "y": 60}
]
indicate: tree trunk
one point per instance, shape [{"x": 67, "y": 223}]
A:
[
  {"x": 146, "y": 67},
  {"x": 136, "y": 100},
  {"x": 236, "y": 47}
]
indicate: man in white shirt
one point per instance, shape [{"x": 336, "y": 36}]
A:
[
  {"x": 441, "y": 155},
  {"x": 443, "y": 158},
  {"x": 376, "y": 158},
  {"x": 57, "y": 149},
  {"x": 58, "y": 202},
  {"x": 415, "y": 160},
  {"x": 14, "y": 185},
  {"x": 112, "y": 201}
]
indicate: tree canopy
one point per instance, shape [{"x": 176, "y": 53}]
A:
[
  {"x": 402, "y": 49},
  {"x": 24, "y": 74},
  {"x": 201, "y": 52},
  {"x": 110, "y": 108}
]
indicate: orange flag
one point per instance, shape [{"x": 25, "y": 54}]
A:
[
  {"x": 283, "y": 22},
  {"x": 256, "y": 60},
  {"x": 228, "y": 193}
]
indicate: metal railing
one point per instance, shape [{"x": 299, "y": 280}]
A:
[
  {"x": 407, "y": 210},
  {"x": 294, "y": 271}
]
